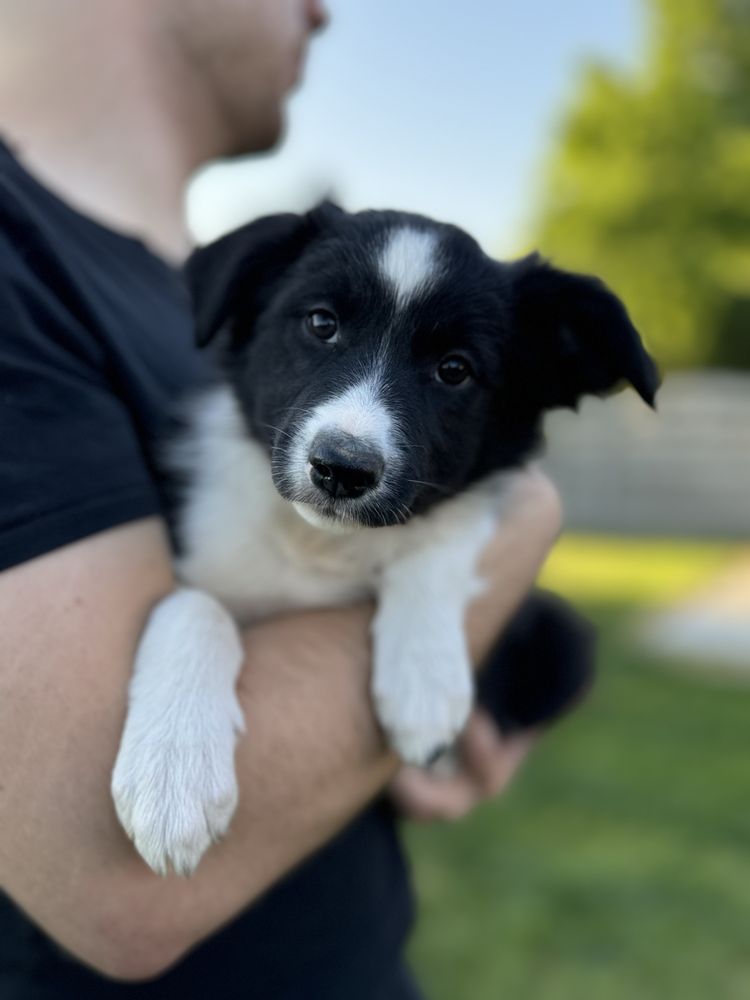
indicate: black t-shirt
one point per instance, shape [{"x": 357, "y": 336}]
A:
[{"x": 95, "y": 348}]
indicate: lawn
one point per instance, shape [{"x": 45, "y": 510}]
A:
[{"x": 618, "y": 867}]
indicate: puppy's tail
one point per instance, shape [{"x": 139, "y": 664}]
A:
[{"x": 543, "y": 664}]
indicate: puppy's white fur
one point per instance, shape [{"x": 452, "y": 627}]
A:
[{"x": 174, "y": 784}]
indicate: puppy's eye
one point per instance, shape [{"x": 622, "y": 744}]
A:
[
  {"x": 453, "y": 370},
  {"x": 322, "y": 323}
]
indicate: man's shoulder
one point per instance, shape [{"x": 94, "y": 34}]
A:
[
  {"x": 67, "y": 279},
  {"x": 45, "y": 239},
  {"x": 20, "y": 232},
  {"x": 26, "y": 212},
  {"x": 38, "y": 294},
  {"x": 37, "y": 253}
]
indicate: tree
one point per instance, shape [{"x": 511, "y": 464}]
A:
[{"x": 649, "y": 183}]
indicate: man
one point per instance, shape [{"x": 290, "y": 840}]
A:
[{"x": 107, "y": 109}]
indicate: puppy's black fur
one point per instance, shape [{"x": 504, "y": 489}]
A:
[
  {"x": 535, "y": 338},
  {"x": 541, "y": 666}
]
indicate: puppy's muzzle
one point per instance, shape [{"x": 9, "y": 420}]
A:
[{"x": 344, "y": 466}]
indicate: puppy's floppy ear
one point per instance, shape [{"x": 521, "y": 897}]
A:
[
  {"x": 575, "y": 336},
  {"x": 240, "y": 267}
]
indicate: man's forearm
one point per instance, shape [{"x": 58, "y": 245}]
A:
[
  {"x": 312, "y": 756},
  {"x": 513, "y": 558}
]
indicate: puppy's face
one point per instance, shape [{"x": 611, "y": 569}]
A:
[
  {"x": 385, "y": 362},
  {"x": 370, "y": 375}
]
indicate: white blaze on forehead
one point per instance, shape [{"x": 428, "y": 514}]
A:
[{"x": 408, "y": 261}]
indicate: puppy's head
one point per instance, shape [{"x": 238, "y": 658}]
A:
[{"x": 385, "y": 362}]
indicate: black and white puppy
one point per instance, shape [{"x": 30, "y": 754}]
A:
[{"x": 384, "y": 379}]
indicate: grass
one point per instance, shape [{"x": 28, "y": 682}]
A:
[{"x": 618, "y": 867}]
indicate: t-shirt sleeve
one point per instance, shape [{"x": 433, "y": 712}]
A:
[{"x": 70, "y": 460}]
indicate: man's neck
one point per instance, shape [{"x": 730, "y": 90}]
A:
[{"x": 121, "y": 150}]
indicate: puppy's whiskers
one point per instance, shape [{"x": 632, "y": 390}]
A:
[
  {"x": 434, "y": 486},
  {"x": 279, "y": 430}
]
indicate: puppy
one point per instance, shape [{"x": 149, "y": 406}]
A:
[{"x": 383, "y": 379}]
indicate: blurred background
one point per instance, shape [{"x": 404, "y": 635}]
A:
[{"x": 616, "y": 138}]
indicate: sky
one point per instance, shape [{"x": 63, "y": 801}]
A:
[{"x": 430, "y": 106}]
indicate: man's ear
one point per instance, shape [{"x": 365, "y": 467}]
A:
[
  {"x": 237, "y": 270},
  {"x": 576, "y": 337}
]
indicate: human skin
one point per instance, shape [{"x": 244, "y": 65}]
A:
[{"x": 313, "y": 755}]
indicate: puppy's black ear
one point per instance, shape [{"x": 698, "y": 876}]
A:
[
  {"x": 241, "y": 268},
  {"x": 575, "y": 336}
]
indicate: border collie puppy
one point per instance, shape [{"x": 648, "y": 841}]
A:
[{"x": 383, "y": 380}]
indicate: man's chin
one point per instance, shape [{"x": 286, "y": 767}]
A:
[{"x": 262, "y": 134}]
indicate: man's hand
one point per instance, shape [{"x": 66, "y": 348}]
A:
[{"x": 484, "y": 765}]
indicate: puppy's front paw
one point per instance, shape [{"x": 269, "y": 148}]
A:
[
  {"x": 422, "y": 701},
  {"x": 175, "y": 796}
]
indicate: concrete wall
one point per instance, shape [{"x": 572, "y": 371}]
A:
[{"x": 682, "y": 470}]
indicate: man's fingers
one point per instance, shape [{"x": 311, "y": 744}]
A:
[
  {"x": 424, "y": 796},
  {"x": 488, "y": 759},
  {"x": 485, "y": 766}
]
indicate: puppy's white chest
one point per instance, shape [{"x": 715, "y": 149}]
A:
[{"x": 278, "y": 568}]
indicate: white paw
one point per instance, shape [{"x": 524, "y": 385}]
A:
[
  {"x": 423, "y": 704},
  {"x": 173, "y": 797}
]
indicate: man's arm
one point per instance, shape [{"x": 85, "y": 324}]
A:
[{"x": 312, "y": 757}]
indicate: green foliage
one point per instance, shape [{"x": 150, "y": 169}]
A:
[{"x": 649, "y": 183}]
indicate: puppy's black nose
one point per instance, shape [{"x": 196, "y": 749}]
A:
[{"x": 343, "y": 465}]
